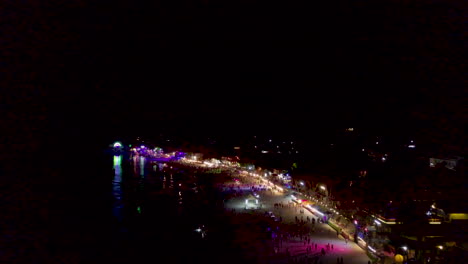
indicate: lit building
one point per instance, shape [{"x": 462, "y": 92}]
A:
[{"x": 449, "y": 163}]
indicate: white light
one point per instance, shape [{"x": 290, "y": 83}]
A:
[
  {"x": 411, "y": 146},
  {"x": 440, "y": 247},
  {"x": 322, "y": 187},
  {"x": 377, "y": 222},
  {"x": 371, "y": 249},
  {"x": 246, "y": 201},
  {"x": 315, "y": 210},
  {"x": 302, "y": 183},
  {"x": 404, "y": 248},
  {"x": 256, "y": 201},
  {"x": 377, "y": 143}
]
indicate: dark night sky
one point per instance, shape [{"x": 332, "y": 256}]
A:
[{"x": 86, "y": 68}]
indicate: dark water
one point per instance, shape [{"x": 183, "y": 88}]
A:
[
  {"x": 156, "y": 208},
  {"x": 83, "y": 208}
]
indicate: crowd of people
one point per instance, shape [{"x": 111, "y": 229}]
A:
[
  {"x": 294, "y": 239},
  {"x": 295, "y": 234}
]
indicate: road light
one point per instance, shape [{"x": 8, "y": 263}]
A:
[
  {"x": 405, "y": 248},
  {"x": 323, "y": 187}
]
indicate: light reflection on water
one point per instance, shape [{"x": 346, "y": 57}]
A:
[
  {"x": 117, "y": 188},
  {"x": 118, "y": 168},
  {"x": 142, "y": 165},
  {"x": 135, "y": 161},
  {"x": 143, "y": 187}
]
